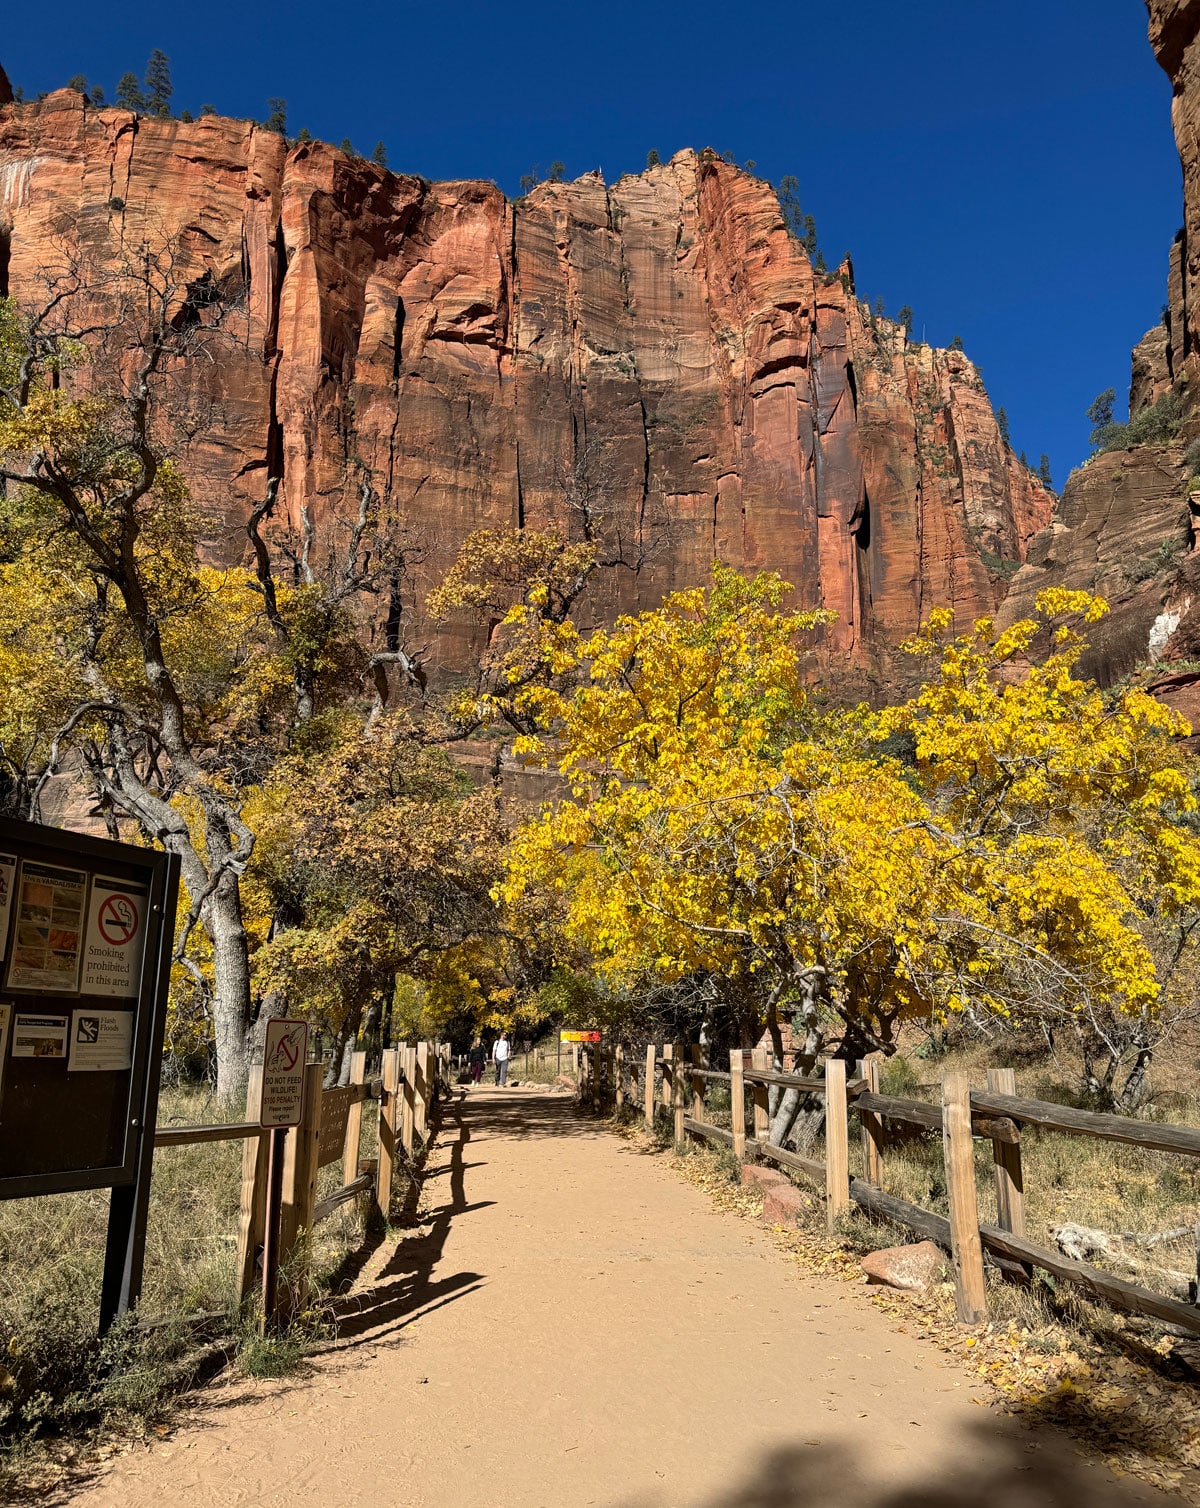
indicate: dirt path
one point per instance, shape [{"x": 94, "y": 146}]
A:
[{"x": 574, "y": 1324}]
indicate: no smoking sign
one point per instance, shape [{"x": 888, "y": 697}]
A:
[
  {"x": 118, "y": 920},
  {"x": 115, "y": 939}
]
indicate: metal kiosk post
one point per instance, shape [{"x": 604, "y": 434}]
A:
[{"x": 87, "y": 930}]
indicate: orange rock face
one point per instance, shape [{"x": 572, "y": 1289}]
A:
[{"x": 663, "y": 338}]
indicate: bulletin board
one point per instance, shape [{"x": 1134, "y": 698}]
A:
[{"x": 86, "y": 927}]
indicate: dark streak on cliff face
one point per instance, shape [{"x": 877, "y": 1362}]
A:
[{"x": 664, "y": 332}]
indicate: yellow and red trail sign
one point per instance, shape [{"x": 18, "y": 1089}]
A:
[{"x": 579, "y": 1036}]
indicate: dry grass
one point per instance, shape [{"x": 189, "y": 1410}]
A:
[{"x": 57, "y": 1382}]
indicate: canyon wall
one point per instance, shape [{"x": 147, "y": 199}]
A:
[{"x": 661, "y": 342}]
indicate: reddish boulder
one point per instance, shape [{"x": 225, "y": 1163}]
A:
[
  {"x": 912, "y": 1267},
  {"x": 756, "y": 1175},
  {"x": 788, "y": 1205}
]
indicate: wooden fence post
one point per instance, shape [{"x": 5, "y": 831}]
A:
[
  {"x": 619, "y": 1076},
  {"x": 737, "y": 1102},
  {"x": 575, "y": 1059},
  {"x": 423, "y": 1084},
  {"x": 762, "y": 1114},
  {"x": 648, "y": 1087},
  {"x": 255, "y": 1153},
  {"x": 668, "y": 1055},
  {"x": 837, "y": 1144},
  {"x": 300, "y": 1177},
  {"x": 350, "y": 1154},
  {"x": 872, "y": 1125},
  {"x": 408, "y": 1107},
  {"x": 388, "y": 1120},
  {"x": 970, "y": 1290},
  {"x": 677, "y": 1092},
  {"x": 697, "y": 1083},
  {"x": 1010, "y": 1183}
]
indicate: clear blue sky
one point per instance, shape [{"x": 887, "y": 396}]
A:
[{"x": 1007, "y": 170}]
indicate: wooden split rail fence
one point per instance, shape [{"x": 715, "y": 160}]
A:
[
  {"x": 410, "y": 1079},
  {"x": 997, "y": 1114}
]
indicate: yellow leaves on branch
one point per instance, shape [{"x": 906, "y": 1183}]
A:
[{"x": 1005, "y": 840}]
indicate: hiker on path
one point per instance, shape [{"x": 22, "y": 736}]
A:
[
  {"x": 500, "y": 1054},
  {"x": 476, "y": 1058}
]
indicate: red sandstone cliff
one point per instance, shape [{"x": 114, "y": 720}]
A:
[{"x": 664, "y": 333}]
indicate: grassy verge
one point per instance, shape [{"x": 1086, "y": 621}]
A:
[{"x": 59, "y": 1384}]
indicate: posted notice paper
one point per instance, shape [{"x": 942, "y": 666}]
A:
[
  {"x": 49, "y": 932},
  {"x": 39, "y": 1036},
  {"x": 101, "y": 1041},
  {"x": 8, "y": 881},
  {"x": 115, "y": 939}
]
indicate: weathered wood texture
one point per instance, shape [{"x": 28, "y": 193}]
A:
[
  {"x": 256, "y": 1151},
  {"x": 762, "y": 1114},
  {"x": 353, "y": 1138},
  {"x": 300, "y": 1178},
  {"x": 707, "y": 1130},
  {"x": 1006, "y": 1160},
  {"x": 648, "y": 1089},
  {"x": 389, "y": 1119},
  {"x": 737, "y": 1101},
  {"x": 808, "y": 1165},
  {"x": 970, "y": 1291},
  {"x": 1088, "y": 1123},
  {"x": 920, "y": 1113},
  {"x": 837, "y": 1144},
  {"x": 188, "y": 1136},
  {"x": 872, "y": 1126}
]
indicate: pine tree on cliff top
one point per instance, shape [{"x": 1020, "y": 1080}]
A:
[
  {"x": 157, "y": 84},
  {"x": 653, "y": 160},
  {"x": 1002, "y": 425},
  {"x": 1043, "y": 471},
  {"x": 379, "y": 155},
  {"x": 129, "y": 93}
]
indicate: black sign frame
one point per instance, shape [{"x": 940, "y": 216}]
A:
[{"x": 129, "y": 1174}]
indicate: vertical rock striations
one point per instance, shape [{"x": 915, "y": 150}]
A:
[{"x": 662, "y": 343}]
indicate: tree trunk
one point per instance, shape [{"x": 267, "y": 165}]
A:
[{"x": 232, "y": 1012}]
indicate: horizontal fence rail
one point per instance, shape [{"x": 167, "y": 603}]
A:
[{"x": 330, "y": 1131}]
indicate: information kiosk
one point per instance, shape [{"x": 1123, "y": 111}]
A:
[{"x": 86, "y": 934}]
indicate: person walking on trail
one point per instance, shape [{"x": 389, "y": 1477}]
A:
[
  {"x": 501, "y": 1052},
  {"x": 476, "y": 1058}
]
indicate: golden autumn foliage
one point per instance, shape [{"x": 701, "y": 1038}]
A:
[{"x": 1010, "y": 859}]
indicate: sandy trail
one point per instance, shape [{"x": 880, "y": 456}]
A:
[{"x": 575, "y": 1324}]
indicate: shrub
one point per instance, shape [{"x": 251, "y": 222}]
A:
[{"x": 1155, "y": 424}]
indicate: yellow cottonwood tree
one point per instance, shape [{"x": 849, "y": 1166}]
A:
[{"x": 723, "y": 825}]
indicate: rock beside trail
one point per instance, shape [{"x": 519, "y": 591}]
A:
[
  {"x": 912, "y": 1267},
  {"x": 562, "y": 1082},
  {"x": 756, "y": 1176},
  {"x": 788, "y": 1205}
]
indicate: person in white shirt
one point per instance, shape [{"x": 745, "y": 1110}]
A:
[{"x": 501, "y": 1052}]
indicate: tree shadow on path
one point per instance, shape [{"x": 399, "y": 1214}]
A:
[
  {"x": 999, "y": 1467},
  {"x": 406, "y": 1287}
]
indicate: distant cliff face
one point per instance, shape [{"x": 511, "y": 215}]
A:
[{"x": 662, "y": 338}]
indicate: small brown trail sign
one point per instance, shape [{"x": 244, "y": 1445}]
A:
[{"x": 284, "y": 1057}]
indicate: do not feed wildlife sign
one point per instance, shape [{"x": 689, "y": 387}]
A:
[{"x": 284, "y": 1058}]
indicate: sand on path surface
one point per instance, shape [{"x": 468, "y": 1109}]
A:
[{"x": 573, "y": 1324}]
